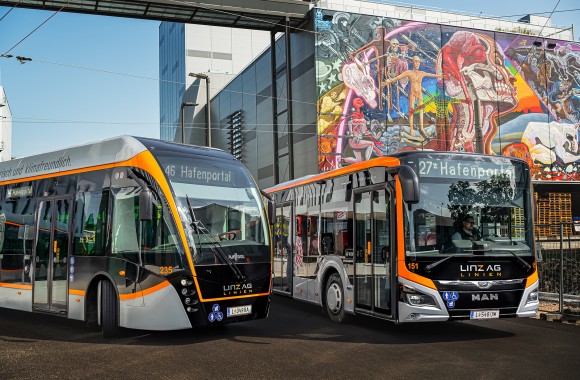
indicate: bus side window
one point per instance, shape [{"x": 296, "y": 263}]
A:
[
  {"x": 90, "y": 223},
  {"x": 125, "y": 223},
  {"x": 158, "y": 238},
  {"x": 16, "y": 232}
]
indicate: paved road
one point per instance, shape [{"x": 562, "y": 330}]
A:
[{"x": 296, "y": 341}]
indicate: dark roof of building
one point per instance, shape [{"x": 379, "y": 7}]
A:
[{"x": 260, "y": 14}]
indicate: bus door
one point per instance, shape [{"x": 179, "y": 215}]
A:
[
  {"x": 372, "y": 255},
  {"x": 51, "y": 254},
  {"x": 283, "y": 258}
]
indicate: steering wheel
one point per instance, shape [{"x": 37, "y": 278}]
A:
[{"x": 228, "y": 236}]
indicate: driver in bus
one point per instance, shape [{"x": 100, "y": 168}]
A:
[{"x": 467, "y": 230}]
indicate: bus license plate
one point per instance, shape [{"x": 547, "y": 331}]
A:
[
  {"x": 484, "y": 314},
  {"x": 239, "y": 310}
]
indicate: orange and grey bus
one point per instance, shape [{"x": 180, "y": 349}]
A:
[
  {"x": 136, "y": 233},
  {"x": 417, "y": 236}
]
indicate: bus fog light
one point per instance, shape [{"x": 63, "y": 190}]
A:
[{"x": 533, "y": 297}]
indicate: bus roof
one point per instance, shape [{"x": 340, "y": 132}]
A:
[
  {"x": 109, "y": 151},
  {"x": 379, "y": 161},
  {"x": 390, "y": 160}
]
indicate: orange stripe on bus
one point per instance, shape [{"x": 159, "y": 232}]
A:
[
  {"x": 376, "y": 162},
  {"x": 75, "y": 292},
  {"x": 15, "y": 286},
  {"x": 147, "y": 162},
  {"x": 532, "y": 279},
  {"x": 401, "y": 265},
  {"x": 143, "y": 293},
  {"x": 235, "y": 297}
]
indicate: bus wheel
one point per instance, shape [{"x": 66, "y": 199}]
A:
[
  {"x": 109, "y": 309},
  {"x": 335, "y": 298}
]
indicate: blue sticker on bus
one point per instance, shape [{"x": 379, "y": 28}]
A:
[
  {"x": 216, "y": 314},
  {"x": 450, "y": 297}
]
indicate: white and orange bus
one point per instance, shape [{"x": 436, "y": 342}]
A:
[
  {"x": 394, "y": 237},
  {"x": 136, "y": 233}
]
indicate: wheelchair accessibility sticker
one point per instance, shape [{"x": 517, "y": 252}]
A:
[
  {"x": 450, "y": 297},
  {"x": 216, "y": 314}
]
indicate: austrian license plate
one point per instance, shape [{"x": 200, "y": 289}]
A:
[
  {"x": 239, "y": 310},
  {"x": 484, "y": 314}
]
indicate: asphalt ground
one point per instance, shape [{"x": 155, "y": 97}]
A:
[{"x": 297, "y": 341}]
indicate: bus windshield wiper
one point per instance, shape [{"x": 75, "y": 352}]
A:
[
  {"x": 524, "y": 263},
  {"x": 432, "y": 266},
  {"x": 216, "y": 248}
]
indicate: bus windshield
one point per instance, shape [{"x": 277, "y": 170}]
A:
[
  {"x": 226, "y": 212},
  {"x": 476, "y": 205}
]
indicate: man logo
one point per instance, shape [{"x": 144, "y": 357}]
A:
[{"x": 485, "y": 297}]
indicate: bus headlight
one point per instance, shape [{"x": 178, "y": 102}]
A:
[
  {"x": 414, "y": 297},
  {"x": 533, "y": 297},
  {"x": 186, "y": 282},
  {"x": 188, "y": 292}
]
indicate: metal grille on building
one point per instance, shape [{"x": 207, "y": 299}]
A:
[{"x": 235, "y": 136}]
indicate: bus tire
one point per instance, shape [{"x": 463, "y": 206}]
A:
[
  {"x": 109, "y": 310},
  {"x": 335, "y": 298}
]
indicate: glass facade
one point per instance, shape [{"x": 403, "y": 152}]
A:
[
  {"x": 172, "y": 77},
  {"x": 265, "y": 113}
]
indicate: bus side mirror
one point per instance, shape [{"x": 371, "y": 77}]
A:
[
  {"x": 145, "y": 205},
  {"x": 409, "y": 182}
]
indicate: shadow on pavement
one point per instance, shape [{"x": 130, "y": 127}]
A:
[{"x": 288, "y": 319}]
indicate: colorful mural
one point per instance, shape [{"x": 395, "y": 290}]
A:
[{"x": 387, "y": 85}]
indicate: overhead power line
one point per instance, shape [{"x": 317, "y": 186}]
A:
[
  {"x": 10, "y": 10},
  {"x": 34, "y": 30}
]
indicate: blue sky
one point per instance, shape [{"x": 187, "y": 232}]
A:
[{"x": 55, "y": 105}]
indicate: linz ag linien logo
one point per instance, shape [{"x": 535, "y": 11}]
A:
[
  {"x": 479, "y": 270},
  {"x": 216, "y": 314},
  {"x": 238, "y": 289},
  {"x": 485, "y": 297},
  {"x": 450, "y": 297}
]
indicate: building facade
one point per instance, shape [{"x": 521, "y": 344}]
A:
[
  {"x": 377, "y": 79},
  {"x": 220, "y": 53}
]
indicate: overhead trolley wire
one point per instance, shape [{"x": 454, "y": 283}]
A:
[
  {"x": 34, "y": 30},
  {"x": 10, "y": 10}
]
